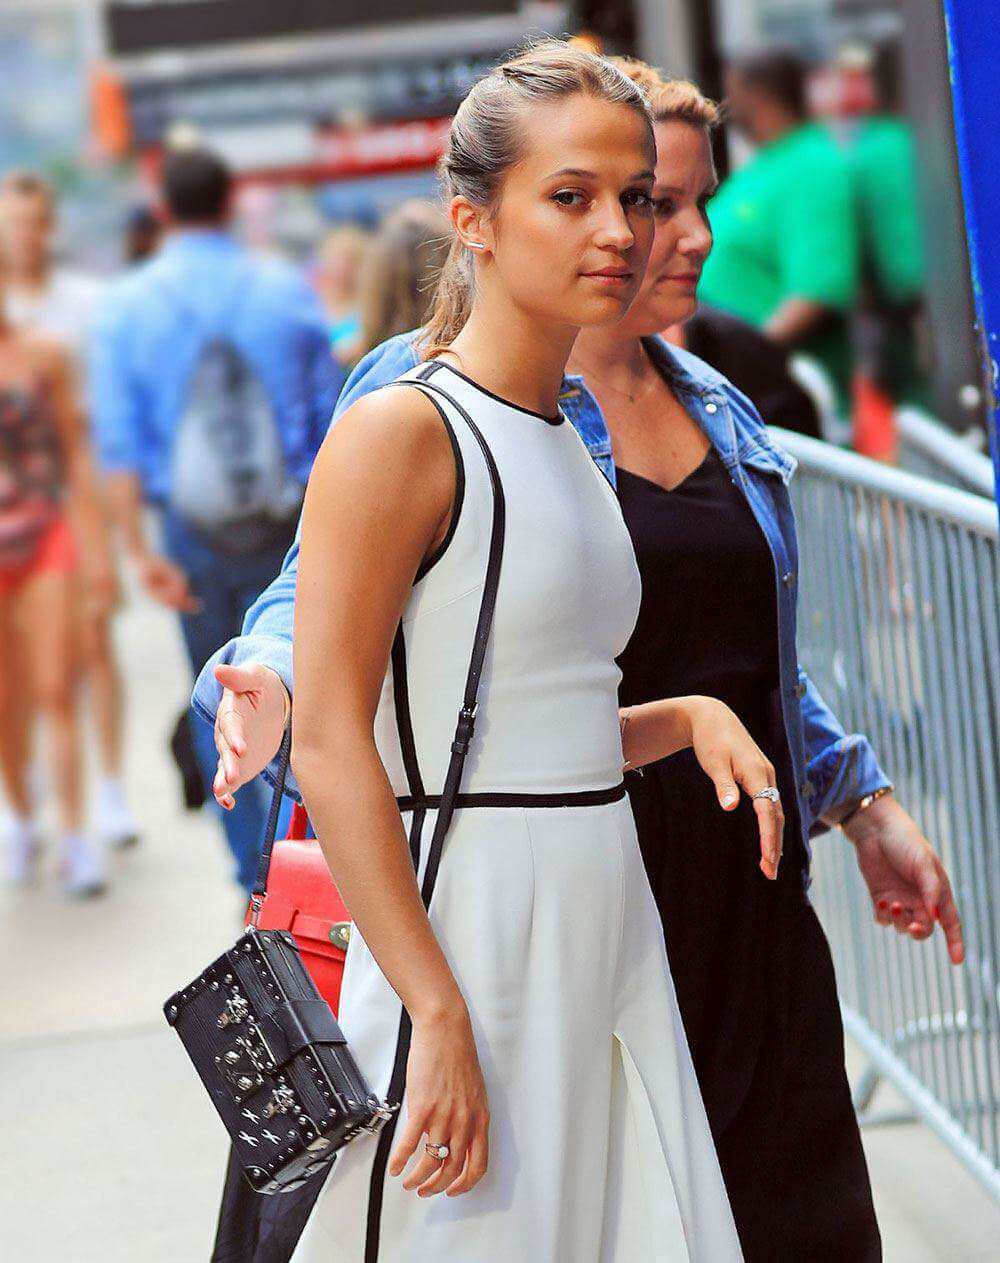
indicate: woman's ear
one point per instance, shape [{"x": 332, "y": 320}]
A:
[{"x": 470, "y": 225}]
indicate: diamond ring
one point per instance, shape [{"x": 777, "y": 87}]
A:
[
  {"x": 770, "y": 793},
  {"x": 436, "y": 1151}
]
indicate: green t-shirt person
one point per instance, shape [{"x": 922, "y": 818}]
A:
[
  {"x": 883, "y": 166},
  {"x": 785, "y": 227}
]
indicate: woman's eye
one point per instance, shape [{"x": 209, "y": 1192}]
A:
[
  {"x": 568, "y": 197},
  {"x": 639, "y": 199},
  {"x": 663, "y": 207}
]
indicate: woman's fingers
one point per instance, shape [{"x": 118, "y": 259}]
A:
[
  {"x": 754, "y": 776},
  {"x": 408, "y": 1140},
  {"x": 720, "y": 771},
  {"x": 451, "y": 1168},
  {"x": 771, "y": 823},
  {"x": 935, "y": 890},
  {"x": 476, "y": 1161}
]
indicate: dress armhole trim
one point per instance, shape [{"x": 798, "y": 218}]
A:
[{"x": 430, "y": 562}]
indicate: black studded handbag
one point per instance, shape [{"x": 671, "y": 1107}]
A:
[
  {"x": 270, "y": 1052},
  {"x": 262, "y": 1038}
]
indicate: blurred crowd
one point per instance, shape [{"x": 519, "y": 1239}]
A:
[{"x": 170, "y": 415}]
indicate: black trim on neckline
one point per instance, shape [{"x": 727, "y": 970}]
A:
[{"x": 558, "y": 419}]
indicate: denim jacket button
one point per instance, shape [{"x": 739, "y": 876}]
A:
[
  {"x": 788, "y": 578},
  {"x": 711, "y": 408}
]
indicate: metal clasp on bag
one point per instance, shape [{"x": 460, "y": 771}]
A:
[{"x": 256, "y": 903}]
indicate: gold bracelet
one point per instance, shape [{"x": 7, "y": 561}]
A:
[{"x": 865, "y": 803}]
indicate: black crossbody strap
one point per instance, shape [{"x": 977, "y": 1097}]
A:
[{"x": 466, "y": 716}]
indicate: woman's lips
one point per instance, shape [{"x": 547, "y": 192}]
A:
[
  {"x": 610, "y": 276},
  {"x": 688, "y": 279}
]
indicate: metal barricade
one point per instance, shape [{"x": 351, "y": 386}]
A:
[
  {"x": 899, "y": 628},
  {"x": 926, "y": 447}
]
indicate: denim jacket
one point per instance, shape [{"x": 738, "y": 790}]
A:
[{"x": 834, "y": 770}]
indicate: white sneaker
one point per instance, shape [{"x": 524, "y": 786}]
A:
[
  {"x": 118, "y": 827},
  {"x": 84, "y": 867},
  {"x": 22, "y": 850}
]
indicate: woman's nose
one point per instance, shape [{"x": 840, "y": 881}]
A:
[{"x": 614, "y": 228}]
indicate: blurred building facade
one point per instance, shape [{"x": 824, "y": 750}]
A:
[{"x": 338, "y": 111}]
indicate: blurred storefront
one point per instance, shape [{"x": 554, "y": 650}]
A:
[{"x": 325, "y": 111}]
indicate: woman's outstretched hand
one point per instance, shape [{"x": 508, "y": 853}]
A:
[
  {"x": 906, "y": 879},
  {"x": 445, "y": 1105},
  {"x": 733, "y": 760},
  {"x": 249, "y": 725}
]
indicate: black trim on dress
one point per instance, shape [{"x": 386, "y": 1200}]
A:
[
  {"x": 430, "y": 562},
  {"x": 571, "y": 798},
  {"x": 558, "y": 419}
]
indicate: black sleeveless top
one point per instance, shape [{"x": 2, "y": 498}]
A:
[{"x": 708, "y": 623}]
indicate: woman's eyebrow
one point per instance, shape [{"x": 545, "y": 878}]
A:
[
  {"x": 676, "y": 188},
  {"x": 582, "y": 174}
]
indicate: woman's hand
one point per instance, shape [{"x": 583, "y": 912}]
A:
[
  {"x": 446, "y": 1105},
  {"x": 907, "y": 882},
  {"x": 731, "y": 757},
  {"x": 249, "y": 725}
]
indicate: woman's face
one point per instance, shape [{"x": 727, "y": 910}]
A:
[
  {"x": 685, "y": 180},
  {"x": 569, "y": 238}
]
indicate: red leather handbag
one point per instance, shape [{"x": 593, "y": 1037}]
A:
[{"x": 301, "y": 897}]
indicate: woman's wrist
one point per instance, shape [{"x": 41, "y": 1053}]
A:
[{"x": 439, "y": 1008}]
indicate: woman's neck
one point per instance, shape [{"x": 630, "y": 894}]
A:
[
  {"x": 606, "y": 355},
  {"x": 514, "y": 356}
]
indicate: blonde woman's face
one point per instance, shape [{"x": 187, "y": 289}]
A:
[
  {"x": 573, "y": 229},
  {"x": 682, "y": 238}
]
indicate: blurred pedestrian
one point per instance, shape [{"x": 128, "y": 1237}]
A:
[
  {"x": 400, "y": 271},
  {"x": 142, "y": 233},
  {"x": 753, "y": 362},
  {"x": 338, "y": 268},
  {"x": 882, "y": 157},
  {"x": 212, "y": 388},
  {"x": 60, "y": 304},
  {"x": 51, "y": 533},
  {"x": 786, "y": 251}
]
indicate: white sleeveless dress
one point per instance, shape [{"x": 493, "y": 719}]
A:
[{"x": 600, "y": 1150}]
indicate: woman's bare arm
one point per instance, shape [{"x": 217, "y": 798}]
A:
[{"x": 378, "y": 501}]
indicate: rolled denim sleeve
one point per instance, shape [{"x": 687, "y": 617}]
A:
[
  {"x": 266, "y": 636},
  {"x": 841, "y": 767}
]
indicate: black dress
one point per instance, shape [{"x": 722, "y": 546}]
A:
[{"x": 751, "y": 965}]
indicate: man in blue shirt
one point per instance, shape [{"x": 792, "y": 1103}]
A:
[{"x": 212, "y": 388}]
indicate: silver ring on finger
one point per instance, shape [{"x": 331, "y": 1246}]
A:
[
  {"x": 440, "y": 1152},
  {"x": 770, "y": 793}
]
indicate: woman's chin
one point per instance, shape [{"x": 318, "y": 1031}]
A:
[
  {"x": 647, "y": 318},
  {"x": 605, "y": 310}
]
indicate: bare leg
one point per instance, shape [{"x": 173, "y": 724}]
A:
[
  {"x": 100, "y": 669},
  {"x": 46, "y": 626},
  {"x": 15, "y": 713}
]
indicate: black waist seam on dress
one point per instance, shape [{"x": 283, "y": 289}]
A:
[{"x": 572, "y": 798}]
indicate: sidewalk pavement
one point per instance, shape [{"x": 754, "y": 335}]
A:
[{"x": 113, "y": 1151}]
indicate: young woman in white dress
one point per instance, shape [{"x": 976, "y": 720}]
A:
[{"x": 549, "y": 1092}]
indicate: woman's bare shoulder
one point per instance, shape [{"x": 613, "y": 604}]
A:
[{"x": 397, "y": 423}]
